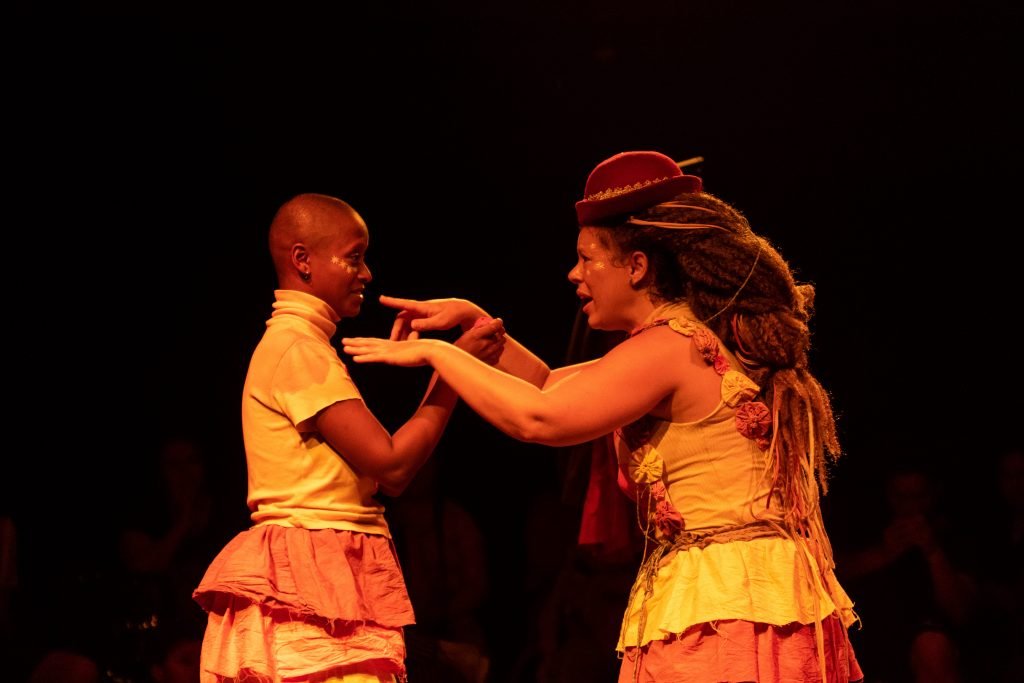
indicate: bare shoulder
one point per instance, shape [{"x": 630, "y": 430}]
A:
[
  {"x": 659, "y": 347},
  {"x": 683, "y": 346}
]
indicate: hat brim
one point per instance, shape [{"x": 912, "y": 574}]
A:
[{"x": 589, "y": 211}]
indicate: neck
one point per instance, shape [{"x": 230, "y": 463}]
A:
[{"x": 640, "y": 311}]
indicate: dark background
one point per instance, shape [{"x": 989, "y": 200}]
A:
[{"x": 876, "y": 143}]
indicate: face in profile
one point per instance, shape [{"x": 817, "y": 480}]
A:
[
  {"x": 340, "y": 266},
  {"x": 602, "y": 283}
]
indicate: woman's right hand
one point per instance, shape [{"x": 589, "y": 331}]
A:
[{"x": 416, "y": 316}]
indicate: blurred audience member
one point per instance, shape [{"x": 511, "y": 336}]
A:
[
  {"x": 442, "y": 553},
  {"x": 65, "y": 666},
  {"x": 173, "y": 648},
  {"x": 164, "y": 547},
  {"x": 913, "y": 594},
  {"x": 998, "y": 632}
]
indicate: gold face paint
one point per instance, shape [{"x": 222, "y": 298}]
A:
[
  {"x": 596, "y": 248},
  {"x": 344, "y": 264}
]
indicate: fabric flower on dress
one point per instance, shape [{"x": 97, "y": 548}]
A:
[
  {"x": 737, "y": 388},
  {"x": 646, "y": 465},
  {"x": 753, "y": 420},
  {"x": 667, "y": 518},
  {"x": 683, "y": 326},
  {"x": 721, "y": 364},
  {"x": 658, "y": 491},
  {"x": 706, "y": 344}
]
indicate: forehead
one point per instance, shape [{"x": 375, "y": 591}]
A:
[
  {"x": 590, "y": 239},
  {"x": 350, "y": 231}
]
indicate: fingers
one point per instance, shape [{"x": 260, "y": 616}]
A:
[
  {"x": 485, "y": 340},
  {"x": 355, "y": 346},
  {"x": 434, "y": 322},
  {"x": 400, "y": 328},
  {"x": 491, "y": 326},
  {"x": 397, "y": 302}
]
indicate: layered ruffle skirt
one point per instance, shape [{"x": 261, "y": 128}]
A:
[
  {"x": 737, "y": 650},
  {"x": 739, "y": 611},
  {"x": 290, "y": 604}
]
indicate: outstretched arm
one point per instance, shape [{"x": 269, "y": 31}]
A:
[
  {"x": 598, "y": 398},
  {"x": 393, "y": 460}
]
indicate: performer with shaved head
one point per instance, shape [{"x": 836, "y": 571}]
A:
[{"x": 312, "y": 591}]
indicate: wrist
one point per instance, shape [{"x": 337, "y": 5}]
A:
[{"x": 471, "y": 315}]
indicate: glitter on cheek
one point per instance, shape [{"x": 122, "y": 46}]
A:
[{"x": 344, "y": 264}]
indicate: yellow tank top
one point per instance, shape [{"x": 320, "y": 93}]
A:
[{"x": 708, "y": 475}]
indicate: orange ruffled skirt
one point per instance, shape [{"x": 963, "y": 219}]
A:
[
  {"x": 290, "y": 604},
  {"x": 736, "y": 650}
]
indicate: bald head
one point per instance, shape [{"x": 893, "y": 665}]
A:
[{"x": 311, "y": 220}]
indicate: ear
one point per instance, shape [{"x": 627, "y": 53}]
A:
[
  {"x": 300, "y": 257},
  {"x": 638, "y": 266}
]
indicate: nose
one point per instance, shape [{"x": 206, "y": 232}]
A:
[
  {"x": 364, "y": 273},
  {"x": 574, "y": 274}
]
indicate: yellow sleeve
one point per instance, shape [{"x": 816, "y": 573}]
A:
[{"x": 309, "y": 378}]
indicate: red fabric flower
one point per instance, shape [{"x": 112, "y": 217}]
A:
[
  {"x": 763, "y": 442},
  {"x": 721, "y": 364},
  {"x": 658, "y": 491},
  {"x": 667, "y": 518},
  {"x": 753, "y": 420},
  {"x": 706, "y": 344}
]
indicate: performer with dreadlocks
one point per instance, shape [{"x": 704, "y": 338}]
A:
[{"x": 723, "y": 433}]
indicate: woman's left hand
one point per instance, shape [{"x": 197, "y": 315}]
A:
[{"x": 409, "y": 353}]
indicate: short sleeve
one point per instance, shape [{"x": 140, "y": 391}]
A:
[{"x": 309, "y": 378}]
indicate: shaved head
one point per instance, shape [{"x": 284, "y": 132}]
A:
[{"x": 310, "y": 219}]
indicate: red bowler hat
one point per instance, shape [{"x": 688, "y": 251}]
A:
[{"x": 632, "y": 181}]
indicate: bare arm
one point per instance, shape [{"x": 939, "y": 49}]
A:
[
  {"x": 599, "y": 397},
  {"x": 393, "y": 460},
  {"x": 355, "y": 433}
]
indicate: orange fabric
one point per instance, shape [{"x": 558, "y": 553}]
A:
[
  {"x": 251, "y": 643},
  {"x": 327, "y": 574},
  {"x": 607, "y": 514},
  {"x": 289, "y": 604},
  {"x": 742, "y": 651}
]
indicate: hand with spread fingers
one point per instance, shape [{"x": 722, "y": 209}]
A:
[{"x": 409, "y": 353}]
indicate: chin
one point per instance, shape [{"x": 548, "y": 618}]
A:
[{"x": 351, "y": 311}]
